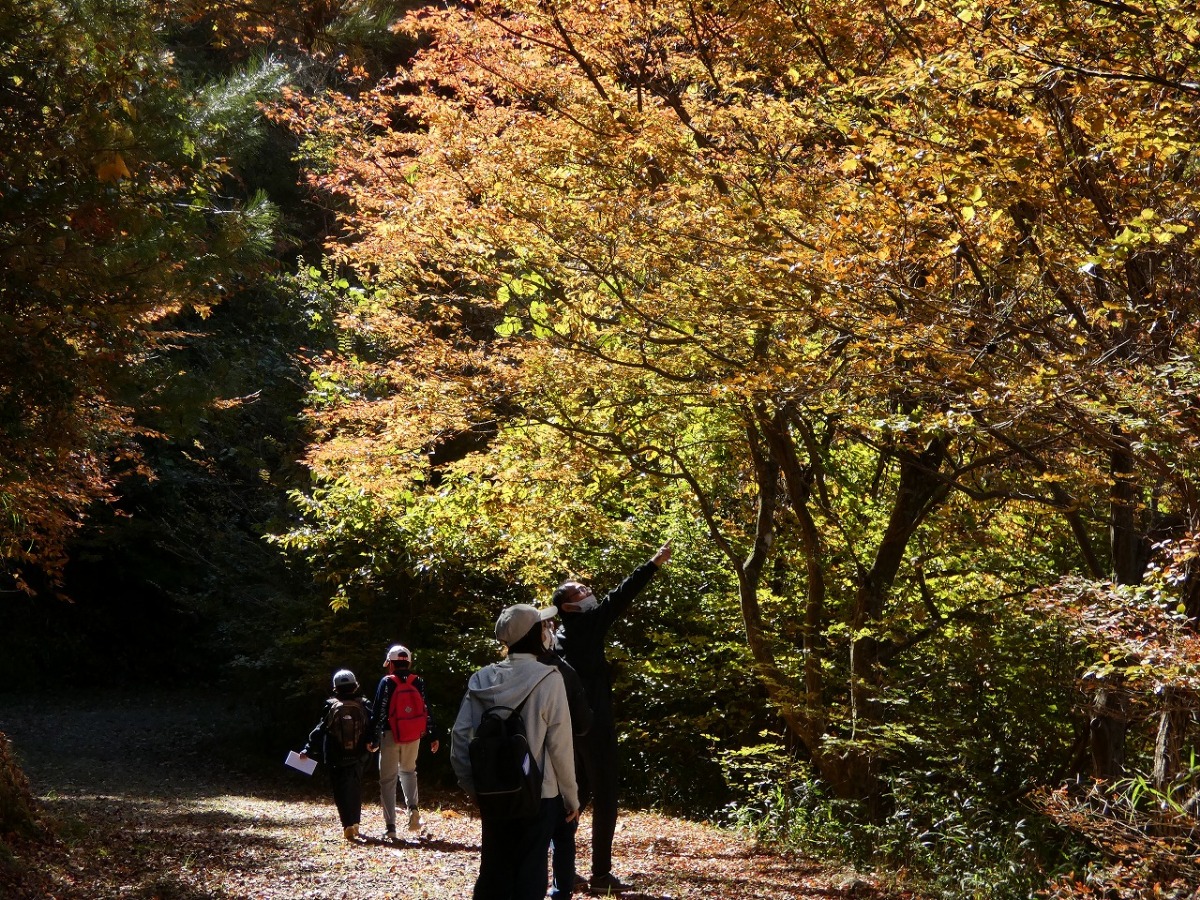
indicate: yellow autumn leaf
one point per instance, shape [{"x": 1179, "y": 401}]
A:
[{"x": 110, "y": 166}]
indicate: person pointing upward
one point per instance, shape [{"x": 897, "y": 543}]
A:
[{"x": 586, "y": 620}]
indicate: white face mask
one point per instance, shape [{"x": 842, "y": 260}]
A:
[
  {"x": 586, "y": 603},
  {"x": 547, "y": 638}
]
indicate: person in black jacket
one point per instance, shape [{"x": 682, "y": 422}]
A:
[
  {"x": 583, "y": 637},
  {"x": 562, "y": 842},
  {"x": 340, "y": 742}
]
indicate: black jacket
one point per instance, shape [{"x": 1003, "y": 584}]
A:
[
  {"x": 585, "y": 635},
  {"x": 577, "y": 701}
]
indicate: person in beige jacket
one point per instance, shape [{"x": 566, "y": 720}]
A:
[{"x": 512, "y": 863}]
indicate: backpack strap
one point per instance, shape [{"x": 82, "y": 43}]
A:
[
  {"x": 330, "y": 709},
  {"x": 521, "y": 705}
]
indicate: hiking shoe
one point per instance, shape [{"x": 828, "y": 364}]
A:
[
  {"x": 348, "y": 831},
  {"x": 414, "y": 820},
  {"x": 581, "y": 884},
  {"x": 390, "y": 834},
  {"x": 606, "y": 884}
]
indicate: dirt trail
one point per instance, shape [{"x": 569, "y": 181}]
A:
[{"x": 148, "y": 810}]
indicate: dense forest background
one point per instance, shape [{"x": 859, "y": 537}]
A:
[{"x": 332, "y": 324}]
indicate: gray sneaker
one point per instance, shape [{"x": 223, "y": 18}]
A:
[{"x": 414, "y": 820}]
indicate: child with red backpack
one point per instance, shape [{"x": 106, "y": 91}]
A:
[
  {"x": 401, "y": 719},
  {"x": 339, "y": 741}
]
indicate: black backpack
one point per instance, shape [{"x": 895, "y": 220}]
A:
[
  {"x": 346, "y": 725},
  {"x": 508, "y": 780}
]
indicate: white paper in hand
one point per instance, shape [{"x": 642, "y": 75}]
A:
[{"x": 307, "y": 766}]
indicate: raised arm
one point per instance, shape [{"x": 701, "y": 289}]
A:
[{"x": 619, "y": 599}]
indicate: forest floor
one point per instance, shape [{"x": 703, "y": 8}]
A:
[{"x": 141, "y": 807}]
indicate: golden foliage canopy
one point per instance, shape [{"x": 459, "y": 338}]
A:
[{"x": 843, "y": 272}]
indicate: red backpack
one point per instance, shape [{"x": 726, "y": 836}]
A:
[{"x": 407, "y": 715}]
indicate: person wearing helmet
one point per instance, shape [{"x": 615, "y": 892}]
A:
[
  {"x": 402, "y": 717},
  {"x": 340, "y": 740}
]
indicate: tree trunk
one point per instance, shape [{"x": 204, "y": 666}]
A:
[
  {"x": 1172, "y": 721},
  {"x": 1110, "y": 718},
  {"x": 920, "y": 490},
  {"x": 798, "y": 482},
  {"x": 849, "y": 775},
  {"x": 1126, "y": 540},
  {"x": 852, "y": 775},
  {"x": 801, "y": 722}
]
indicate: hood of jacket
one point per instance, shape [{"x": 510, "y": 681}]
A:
[{"x": 508, "y": 682}]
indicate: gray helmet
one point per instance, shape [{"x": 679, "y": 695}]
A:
[{"x": 344, "y": 678}]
